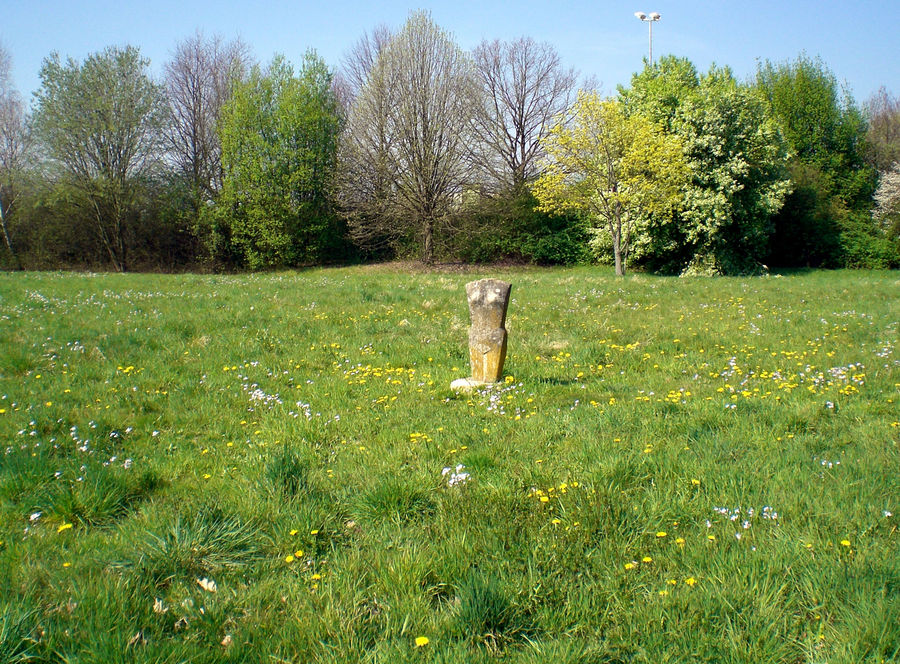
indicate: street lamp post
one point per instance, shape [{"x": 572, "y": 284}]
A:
[{"x": 650, "y": 19}]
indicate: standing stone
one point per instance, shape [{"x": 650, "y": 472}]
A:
[{"x": 488, "y": 300}]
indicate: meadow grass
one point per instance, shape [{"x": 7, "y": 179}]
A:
[{"x": 272, "y": 468}]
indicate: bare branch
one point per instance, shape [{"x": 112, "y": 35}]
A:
[
  {"x": 883, "y": 139},
  {"x": 407, "y": 134},
  {"x": 199, "y": 80},
  {"x": 525, "y": 87}
]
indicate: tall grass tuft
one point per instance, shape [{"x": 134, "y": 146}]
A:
[
  {"x": 288, "y": 472},
  {"x": 395, "y": 499},
  {"x": 18, "y": 636},
  {"x": 201, "y": 544},
  {"x": 98, "y": 499},
  {"x": 486, "y": 614}
]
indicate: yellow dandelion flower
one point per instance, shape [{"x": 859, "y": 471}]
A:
[
  {"x": 691, "y": 581},
  {"x": 63, "y": 527},
  {"x": 293, "y": 532},
  {"x": 289, "y": 559},
  {"x": 313, "y": 532},
  {"x": 695, "y": 482},
  {"x": 646, "y": 559},
  {"x": 845, "y": 542},
  {"x": 298, "y": 553},
  {"x": 629, "y": 565},
  {"x": 672, "y": 582},
  {"x": 711, "y": 538},
  {"x": 679, "y": 541},
  {"x": 421, "y": 641},
  {"x": 661, "y": 533}
]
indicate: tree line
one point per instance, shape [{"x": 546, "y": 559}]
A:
[{"x": 415, "y": 148}]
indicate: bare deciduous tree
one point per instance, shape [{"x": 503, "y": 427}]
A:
[
  {"x": 408, "y": 134},
  {"x": 15, "y": 141},
  {"x": 361, "y": 58},
  {"x": 367, "y": 176},
  {"x": 525, "y": 86},
  {"x": 883, "y": 137},
  {"x": 199, "y": 80}
]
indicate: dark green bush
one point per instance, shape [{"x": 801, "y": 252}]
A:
[{"x": 511, "y": 228}]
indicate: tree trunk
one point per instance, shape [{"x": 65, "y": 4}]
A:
[
  {"x": 428, "y": 242},
  {"x": 617, "y": 250},
  {"x": 6, "y": 238}
]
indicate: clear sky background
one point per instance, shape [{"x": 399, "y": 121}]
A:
[{"x": 858, "y": 40}]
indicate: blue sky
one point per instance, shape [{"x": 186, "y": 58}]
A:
[{"x": 858, "y": 40}]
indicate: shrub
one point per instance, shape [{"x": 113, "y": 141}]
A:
[{"x": 510, "y": 228}]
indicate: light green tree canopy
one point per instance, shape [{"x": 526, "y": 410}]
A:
[
  {"x": 614, "y": 168},
  {"x": 279, "y": 135},
  {"x": 102, "y": 121},
  {"x": 15, "y": 148}
]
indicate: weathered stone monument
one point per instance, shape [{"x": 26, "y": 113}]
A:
[{"x": 488, "y": 301}]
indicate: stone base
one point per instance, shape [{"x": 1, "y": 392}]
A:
[{"x": 468, "y": 384}]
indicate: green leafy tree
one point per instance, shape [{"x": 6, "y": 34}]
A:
[
  {"x": 614, "y": 168},
  {"x": 736, "y": 155},
  {"x": 15, "y": 149},
  {"x": 279, "y": 134},
  {"x": 102, "y": 122},
  {"x": 827, "y": 216}
]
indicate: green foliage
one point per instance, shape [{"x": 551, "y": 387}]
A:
[
  {"x": 512, "y": 228},
  {"x": 102, "y": 121},
  {"x": 614, "y": 169},
  {"x": 279, "y": 136},
  {"x": 53, "y": 229},
  {"x": 806, "y": 231},
  {"x": 820, "y": 122},
  {"x": 826, "y": 133},
  {"x": 736, "y": 157},
  {"x": 867, "y": 247}
]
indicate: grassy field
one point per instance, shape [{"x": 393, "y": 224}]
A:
[{"x": 272, "y": 468}]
